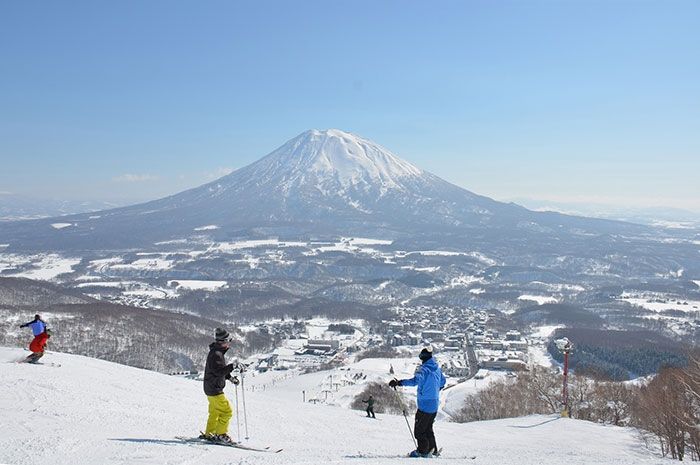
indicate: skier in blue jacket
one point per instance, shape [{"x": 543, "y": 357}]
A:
[
  {"x": 37, "y": 324},
  {"x": 38, "y": 327},
  {"x": 430, "y": 381}
]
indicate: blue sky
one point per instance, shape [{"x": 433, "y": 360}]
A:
[{"x": 562, "y": 100}]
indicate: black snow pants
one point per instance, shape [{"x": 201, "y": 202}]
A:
[{"x": 424, "y": 432}]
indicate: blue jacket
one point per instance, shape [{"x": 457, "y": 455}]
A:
[
  {"x": 37, "y": 326},
  {"x": 429, "y": 380}
]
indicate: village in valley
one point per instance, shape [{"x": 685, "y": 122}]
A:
[{"x": 464, "y": 344}]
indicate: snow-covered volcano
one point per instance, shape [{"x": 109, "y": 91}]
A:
[
  {"x": 319, "y": 184},
  {"x": 337, "y": 179}
]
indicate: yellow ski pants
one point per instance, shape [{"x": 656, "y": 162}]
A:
[{"x": 219, "y": 415}]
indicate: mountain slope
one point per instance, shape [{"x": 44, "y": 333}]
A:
[{"x": 88, "y": 411}]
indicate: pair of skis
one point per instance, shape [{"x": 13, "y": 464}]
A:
[
  {"x": 200, "y": 440},
  {"x": 31, "y": 361},
  {"x": 430, "y": 456}
]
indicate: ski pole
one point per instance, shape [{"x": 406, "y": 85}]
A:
[
  {"x": 238, "y": 418},
  {"x": 398, "y": 397},
  {"x": 245, "y": 414}
]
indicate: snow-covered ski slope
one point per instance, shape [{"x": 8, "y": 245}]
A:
[{"x": 91, "y": 412}]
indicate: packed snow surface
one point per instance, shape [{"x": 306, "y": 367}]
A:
[{"x": 88, "y": 411}]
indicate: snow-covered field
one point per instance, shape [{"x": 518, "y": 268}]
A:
[
  {"x": 659, "y": 303},
  {"x": 88, "y": 411}
]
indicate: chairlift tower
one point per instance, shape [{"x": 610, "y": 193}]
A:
[{"x": 565, "y": 347}]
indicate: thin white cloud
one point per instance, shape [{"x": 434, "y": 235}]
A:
[
  {"x": 219, "y": 173},
  {"x": 135, "y": 178}
]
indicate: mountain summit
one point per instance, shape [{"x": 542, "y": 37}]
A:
[
  {"x": 333, "y": 159},
  {"x": 329, "y": 183},
  {"x": 317, "y": 167},
  {"x": 319, "y": 184}
]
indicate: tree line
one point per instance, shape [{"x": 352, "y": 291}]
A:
[
  {"x": 619, "y": 355},
  {"x": 151, "y": 339},
  {"x": 666, "y": 407}
]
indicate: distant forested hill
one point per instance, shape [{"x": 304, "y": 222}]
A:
[{"x": 619, "y": 355}]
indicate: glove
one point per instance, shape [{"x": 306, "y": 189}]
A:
[
  {"x": 395, "y": 382},
  {"x": 235, "y": 380}
]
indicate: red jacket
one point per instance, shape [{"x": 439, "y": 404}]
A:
[{"x": 39, "y": 342}]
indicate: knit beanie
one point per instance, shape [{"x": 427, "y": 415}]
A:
[
  {"x": 222, "y": 336},
  {"x": 425, "y": 354}
]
